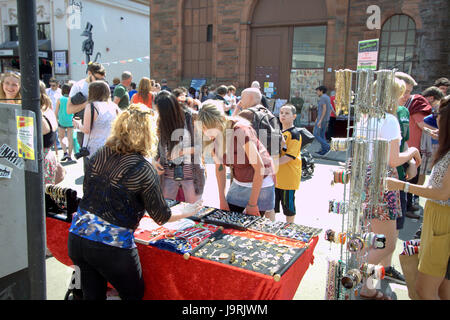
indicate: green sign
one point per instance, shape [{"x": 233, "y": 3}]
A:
[{"x": 368, "y": 54}]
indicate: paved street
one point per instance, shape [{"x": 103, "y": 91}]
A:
[{"x": 312, "y": 210}]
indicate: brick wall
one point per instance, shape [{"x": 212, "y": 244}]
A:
[{"x": 345, "y": 27}]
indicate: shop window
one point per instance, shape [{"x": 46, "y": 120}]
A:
[
  {"x": 309, "y": 48},
  {"x": 398, "y": 39},
  {"x": 307, "y": 73}
]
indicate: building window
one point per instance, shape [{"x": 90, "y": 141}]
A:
[
  {"x": 398, "y": 39},
  {"x": 209, "y": 33},
  {"x": 197, "y": 38},
  {"x": 43, "y": 31},
  {"x": 13, "y": 33},
  {"x": 309, "y": 47},
  {"x": 307, "y": 73}
]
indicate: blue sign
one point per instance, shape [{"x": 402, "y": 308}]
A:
[{"x": 197, "y": 83}]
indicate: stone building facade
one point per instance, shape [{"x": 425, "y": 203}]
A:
[{"x": 238, "y": 41}]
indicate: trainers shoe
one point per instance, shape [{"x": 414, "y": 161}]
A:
[
  {"x": 66, "y": 156},
  {"x": 393, "y": 275},
  {"x": 323, "y": 152}
]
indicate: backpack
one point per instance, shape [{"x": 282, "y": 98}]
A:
[
  {"x": 264, "y": 121},
  {"x": 307, "y": 137}
]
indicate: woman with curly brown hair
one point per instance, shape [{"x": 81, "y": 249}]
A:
[
  {"x": 120, "y": 185},
  {"x": 433, "y": 280}
]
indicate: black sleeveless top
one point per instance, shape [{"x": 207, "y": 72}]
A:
[{"x": 49, "y": 138}]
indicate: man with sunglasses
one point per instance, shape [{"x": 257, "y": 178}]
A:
[
  {"x": 80, "y": 89},
  {"x": 78, "y": 96}
]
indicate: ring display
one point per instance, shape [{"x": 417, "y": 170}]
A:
[
  {"x": 247, "y": 253},
  {"x": 230, "y": 219}
]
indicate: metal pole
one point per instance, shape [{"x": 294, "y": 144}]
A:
[{"x": 34, "y": 181}]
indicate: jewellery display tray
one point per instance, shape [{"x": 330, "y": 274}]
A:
[
  {"x": 180, "y": 236},
  {"x": 205, "y": 210},
  {"x": 229, "y": 219},
  {"x": 285, "y": 229},
  {"x": 184, "y": 240},
  {"x": 251, "y": 254}
]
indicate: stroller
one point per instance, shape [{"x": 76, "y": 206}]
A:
[{"x": 307, "y": 158}]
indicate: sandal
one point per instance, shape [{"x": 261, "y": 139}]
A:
[{"x": 376, "y": 296}]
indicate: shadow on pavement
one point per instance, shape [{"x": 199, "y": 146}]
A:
[
  {"x": 410, "y": 227},
  {"x": 79, "y": 181}
]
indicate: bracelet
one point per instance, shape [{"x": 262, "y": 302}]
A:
[
  {"x": 406, "y": 187},
  {"x": 251, "y": 206}
]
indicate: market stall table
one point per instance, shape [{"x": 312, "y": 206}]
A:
[{"x": 169, "y": 276}]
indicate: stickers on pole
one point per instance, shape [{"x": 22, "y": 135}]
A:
[
  {"x": 25, "y": 137},
  {"x": 5, "y": 172},
  {"x": 10, "y": 155}
]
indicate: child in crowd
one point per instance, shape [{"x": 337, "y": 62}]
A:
[
  {"x": 65, "y": 126},
  {"x": 289, "y": 171}
]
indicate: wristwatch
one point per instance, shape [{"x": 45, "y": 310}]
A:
[{"x": 406, "y": 187}]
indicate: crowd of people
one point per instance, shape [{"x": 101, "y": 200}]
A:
[{"x": 146, "y": 143}]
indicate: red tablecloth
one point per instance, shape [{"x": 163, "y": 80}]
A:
[{"x": 168, "y": 276}]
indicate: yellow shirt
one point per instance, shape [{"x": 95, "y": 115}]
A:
[{"x": 290, "y": 174}]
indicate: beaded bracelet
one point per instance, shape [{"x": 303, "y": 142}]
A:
[{"x": 338, "y": 207}]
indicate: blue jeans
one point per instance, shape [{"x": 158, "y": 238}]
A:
[
  {"x": 238, "y": 195},
  {"x": 319, "y": 134}
]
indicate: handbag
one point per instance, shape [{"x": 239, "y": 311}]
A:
[
  {"x": 409, "y": 261},
  {"x": 307, "y": 137}
]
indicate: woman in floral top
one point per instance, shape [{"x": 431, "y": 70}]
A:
[{"x": 433, "y": 280}]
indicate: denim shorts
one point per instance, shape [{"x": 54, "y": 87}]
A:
[{"x": 239, "y": 196}]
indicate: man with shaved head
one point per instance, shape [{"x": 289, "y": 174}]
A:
[
  {"x": 251, "y": 109},
  {"x": 256, "y": 85}
]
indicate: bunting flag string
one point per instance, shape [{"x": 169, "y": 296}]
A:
[{"x": 82, "y": 63}]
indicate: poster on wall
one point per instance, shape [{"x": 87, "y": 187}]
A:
[
  {"x": 303, "y": 84},
  {"x": 368, "y": 54},
  {"x": 60, "y": 62}
]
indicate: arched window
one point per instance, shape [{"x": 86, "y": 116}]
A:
[{"x": 398, "y": 39}]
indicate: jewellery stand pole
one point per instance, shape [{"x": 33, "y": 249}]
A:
[{"x": 367, "y": 164}]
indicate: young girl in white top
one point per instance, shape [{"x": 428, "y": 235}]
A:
[
  {"x": 105, "y": 112},
  {"x": 383, "y": 218}
]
